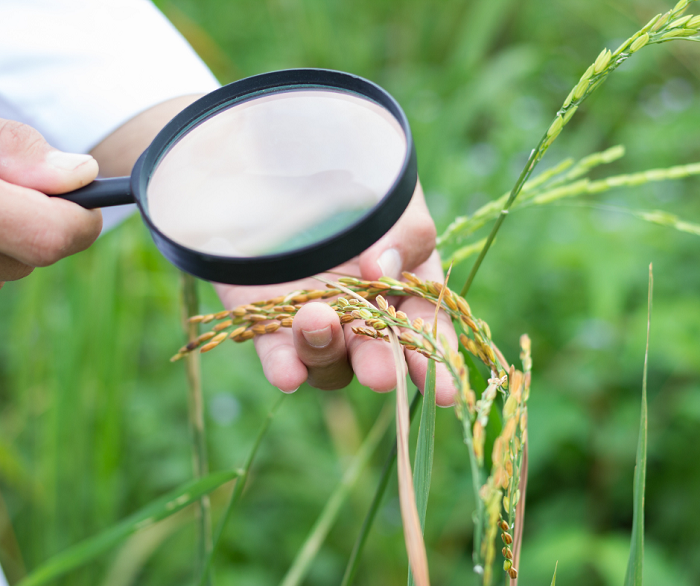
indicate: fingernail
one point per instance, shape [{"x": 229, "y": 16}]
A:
[
  {"x": 318, "y": 338},
  {"x": 390, "y": 263},
  {"x": 66, "y": 161},
  {"x": 288, "y": 392}
]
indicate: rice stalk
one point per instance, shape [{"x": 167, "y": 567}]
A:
[
  {"x": 415, "y": 546},
  {"x": 635, "y": 564},
  {"x": 358, "y": 548},
  {"x": 200, "y": 463},
  {"x": 660, "y": 29},
  {"x": 558, "y": 185},
  {"x": 300, "y": 566},
  {"x": 243, "y": 474}
]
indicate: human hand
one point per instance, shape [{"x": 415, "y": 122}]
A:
[
  {"x": 322, "y": 352},
  {"x": 37, "y": 230}
]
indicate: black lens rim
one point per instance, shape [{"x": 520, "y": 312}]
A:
[{"x": 298, "y": 263}]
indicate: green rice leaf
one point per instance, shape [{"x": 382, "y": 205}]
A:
[
  {"x": 356, "y": 554},
  {"x": 554, "y": 578},
  {"x": 300, "y": 567},
  {"x": 635, "y": 564},
  {"x": 423, "y": 464},
  {"x": 86, "y": 550},
  {"x": 238, "y": 489}
]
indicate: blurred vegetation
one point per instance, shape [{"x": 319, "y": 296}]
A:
[{"x": 93, "y": 417}]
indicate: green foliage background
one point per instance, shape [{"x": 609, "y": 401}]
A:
[{"x": 93, "y": 417}]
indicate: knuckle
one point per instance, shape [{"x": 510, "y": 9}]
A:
[{"x": 425, "y": 231}]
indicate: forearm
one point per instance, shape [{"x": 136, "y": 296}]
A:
[{"x": 117, "y": 153}]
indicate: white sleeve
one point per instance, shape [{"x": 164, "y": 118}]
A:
[{"x": 76, "y": 70}]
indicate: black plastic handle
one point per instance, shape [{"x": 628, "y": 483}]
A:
[{"x": 102, "y": 193}]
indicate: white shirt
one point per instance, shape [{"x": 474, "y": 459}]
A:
[{"x": 76, "y": 70}]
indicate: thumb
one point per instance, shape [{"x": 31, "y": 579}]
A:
[
  {"x": 27, "y": 160},
  {"x": 407, "y": 245}
]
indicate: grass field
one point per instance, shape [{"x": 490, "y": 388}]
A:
[{"x": 93, "y": 417}]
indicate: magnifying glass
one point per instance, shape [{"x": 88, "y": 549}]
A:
[{"x": 271, "y": 178}]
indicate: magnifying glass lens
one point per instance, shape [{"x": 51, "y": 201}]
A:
[{"x": 276, "y": 173}]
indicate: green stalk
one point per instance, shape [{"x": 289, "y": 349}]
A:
[
  {"x": 238, "y": 489},
  {"x": 356, "y": 554},
  {"x": 200, "y": 463},
  {"x": 653, "y": 33},
  {"x": 425, "y": 448},
  {"x": 299, "y": 568},
  {"x": 635, "y": 565},
  {"x": 526, "y": 172}
]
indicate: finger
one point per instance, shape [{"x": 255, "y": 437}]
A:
[
  {"x": 12, "y": 270},
  {"x": 372, "y": 360},
  {"x": 445, "y": 391},
  {"x": 29, "y": 161},
  {"x": 320, "y": 345},
  {"x": 278, "y": 357},
  {"x": 408, "y": 244},
  {"x": 38, "y": 230}
]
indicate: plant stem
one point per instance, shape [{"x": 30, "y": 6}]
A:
[
  {"x": 200, "y": 463},
  {"x": 535, "y": 157},
  {"x": 353, "y": 562},
  {"x": 299, "y": 568},
  {"x": 238, "y": 489}
]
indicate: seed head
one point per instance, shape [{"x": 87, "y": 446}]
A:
[
  {"x": 569, "y": 113},
  {"x": 207, "y": 318},
  {"x": 602, "y": 61},
  {"x": 682, "y": 5},
  {"x": 507, "y": 538},
  {"x": 694, "y": 22},
  {"x": 639, "y": 43},
  {"x": 556, "y": 126},
  {"x": 223, "y": 325},
  {"x": 507, "y": 565},
  {"x": 678, "y": 33},
  {"x": 237, "y": 332},
  {"x": 381, "y": 302},
  {"x": 513, "y": 573},
  {"x": 204, "y": 337},
  {"x": 411, "y": 278},
  {"x": 507, "y": 553},
  {"x": 680, "y": 21}
]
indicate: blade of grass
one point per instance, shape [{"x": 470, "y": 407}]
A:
[
  {"x": 238, "y": 489},
  {"x": 415, "y": 547},
  {"x": 300, "y": 566},
  {"x": 554, "y": 578},
  {"x": 200, "y": 464},
  {"x": 635, "y": 564},
  {"x": 161, "y": 508},
  {"x": 425, "y": 448},
  {"x": 356, "y": 554}
]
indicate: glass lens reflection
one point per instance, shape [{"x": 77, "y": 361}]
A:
[{"x": 276, "y": 173}]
